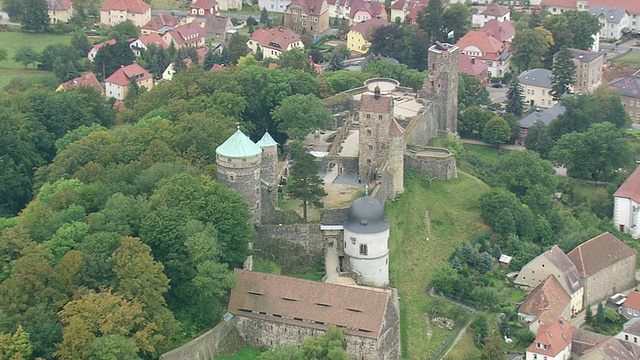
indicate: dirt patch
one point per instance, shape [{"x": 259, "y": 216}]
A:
[
  {"x": 614, "y": 70},
  {"x": 340, "y": 196}
]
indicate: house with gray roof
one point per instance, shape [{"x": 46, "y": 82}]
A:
[
  {"x": 545, "y": 116},
  {"x": 614, "y": 22},
  {"x": 589, "y": 65},
  {"x": 629, "y": 89},
  {"x": 536, "y": 85}
]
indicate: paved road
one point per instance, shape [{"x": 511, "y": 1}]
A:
[{"x": 497, "y": 95}]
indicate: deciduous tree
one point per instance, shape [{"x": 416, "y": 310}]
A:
[
  {"x": 528, "y": 48},
  {"x": 26, "y": 56},
  {"x": 539, "y": 140},
  {"x": 496, "y": 131},
  {"x": 298, "y": 115}
]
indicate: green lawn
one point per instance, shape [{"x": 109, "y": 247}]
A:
[
  {"x": 486, "y": 151},
  {"x": 631, "y": 58},
  {"x": 453, "y": 217},
  {"x": 11, "y": 41}
]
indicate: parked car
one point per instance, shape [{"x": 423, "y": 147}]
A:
[{"x": 496, "y": 85}]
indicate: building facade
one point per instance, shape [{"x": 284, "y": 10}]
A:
[
  {"x": 536, "y": 87},
  {"x": 60, "y": 11},
  {"x": 589, "y": 68},
  {"x": 613, "y": 22},
  {"x": 309, "y": 15},
  {"x": 441, "y": 83},
  {"x": 629, "y": 89},
  {"x": 114, "y": 12},
  {"x": 626, "y": 205},
  {"x": 118, "y": 83},
  {"x": 359, "y": 35}
]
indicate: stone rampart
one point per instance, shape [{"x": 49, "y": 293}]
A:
[
  {"x": 296, "y": 247},
  {"x": 436, "y": 162}
]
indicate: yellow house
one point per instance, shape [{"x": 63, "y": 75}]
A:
[
  {"x": 114, "y": 12},
  {"x": 357, "y": 38},
  {"x": 536, "y": 85},
  {"x": 60, "y": 11}
]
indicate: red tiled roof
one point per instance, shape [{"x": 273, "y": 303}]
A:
[
  {"x": 59, "y": 5},
  {"x": 88, "y": 79},
  {"x": 97, "y": 46},
  {"x": 633, "y": 300},
  {"x": 375, "y": 9},
  {"x": 414, "y": 10},
  {"x": 547, "y": 301},
  {"x": 381, "y": 105},
  {"x": 366, "y": 27},
  {"x": 469, "y": 67},
  {"x": 119, "y": 104},
  {"x": 204, "y": 4},
  {"x": 630, "y": 189},
  {"x": 566, "y": 4},
  {"x": 153, "y": 38},
  {"x": 632, "y": 6},
  {"x": 217, "y": 67},
  {"x": 555, "y": 336},
  {"x": 310, "y": 7},
  {"x": 496, "y": 10},
  {"x": 488, "y": 45},
  {"x": 123, "y": 75},
  {"x": 501, "y": 30},
  {"x": 279, "y": 38},
  {"x": 187, "y": 34},
  {"x": 201, "y": 53},
  {"x": 157, "y": 22},
  {"x": 598, "y": 253},
  {"x": 133, "y": 6}
]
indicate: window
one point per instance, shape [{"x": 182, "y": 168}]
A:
[
  {"x": 542, "y": 92},
  {"x": 363, "y": 249},
  {"x": 368, "y": 132},
  {"x": 368, "y": 116},
  {"x": 368, "y": 161},
  {"x": 295, "y": 11},
  {"x": 353, "y": 240},
  {"x": 626, "y": 337},
  {"x": 370, "y": 147},
  {"x": 379, "y": 117}
]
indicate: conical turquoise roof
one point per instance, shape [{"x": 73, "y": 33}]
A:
[
  {"x": 266, "y": 141},
  {"x": 238, "y": 146}
]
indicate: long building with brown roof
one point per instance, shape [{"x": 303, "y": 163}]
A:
[
  {"x": 114, "y": 12},
  {"x": 546, "y": 303}
]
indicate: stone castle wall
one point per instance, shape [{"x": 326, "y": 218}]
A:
[
  {"x": 296, "y": 247},
  {"x": 442, "y": 167},
  {"x": 243, "y": 175},
  {"x": 349, "y": 164},
  {"x": 389, "y": 345}
]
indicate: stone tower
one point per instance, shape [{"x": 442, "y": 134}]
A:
[
  {"x": 239, "y": 163},
  {"x": 269, "y": 161},
  {"x": 375, "y": 116},
  {"x": 366, "y": 241},
  {"x": 441, "y": 86},
  {"x": 397, "y": 145}
]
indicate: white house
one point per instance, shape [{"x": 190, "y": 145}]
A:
[
  {"x": 142, "y": 43},
  {"x": 626, "y": 208},
  {"x": 272, "y": 42},
  {"x": 274, "y": 5},
  {"x": 493, "y": 11},
  {"x": 553, "y": 341},
  {"x": 613, "y": 22},
  {"x": 118, "y": 83},
  {"x": 91, "y": 55}
]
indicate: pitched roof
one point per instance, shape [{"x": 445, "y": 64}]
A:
[
  {"x": 470, "y": 67},
  {"x": 374, "y": 8},
  {"x": 488, "y": 45},
  {"x": 501, "y": 30},
  {"x": 496, "y": 10},
  {"x": 59, "y": 5},
  {"x": 566, "y": 4},
  {"x": 279, "y": 38},
  {"x": 536, "y": 77},
  {"x": 395, "y": 129},
  {"x": 632, "y": 326},
  {"x": 158, "y": 22},
  {"x": 88, "y": 79},
  {"x": 383, "y": 104},
  {"x": 216, "y": 67},
  {"x": 583, "y": 340},
  {"x": 612, "y": 349},
  {"x": 611, "y": 15},
  {"x": 598, "y": 253},
  {"x": 238, "y": 146},
  {"x": 627, "y": 85},
  {"x": 132, "y": 6},
  {"x": 546, "y": 116},
  {"x": 266, "y": 141},
  {"x": 310, "y": 7},
  {"x": 633, "y": 300},
  {"x": 631, "y": 187},
  {"x": 203, "y": 4},
  {"x": 215, "y": 24},
  {"x": 187, "y": 34},
  {"x": 308, "y": 303},
  {"x": 97, "y": 46},
  {"x": 153, "y": 38},
  {"x": 556, "y": 336},
  {"x": 585, "y": 56},
  {"x": 548, "y": 301},
  {"x": 632, "y": 6},
  {"x": 123, "y": 75},
  {"x": 367, "y": 27}
]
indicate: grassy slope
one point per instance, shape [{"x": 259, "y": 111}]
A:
[
  {"x": 631, "y": 58},
  {"x": 454, "y": 217},
  {"x": 13, "y": 41}
]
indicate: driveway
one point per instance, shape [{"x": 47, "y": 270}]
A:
[{"x": 498, "y": 95}]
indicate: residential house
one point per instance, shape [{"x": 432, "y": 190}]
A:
[
  {"x": 589, "y": 68},
  {"x": 536, "y": 86},
  {"x": 545, "y": 304},
  {"x": 89, "y": 79},
  {"x": 412, "y": 16},
  {"x": 626, "y": 205},
  {"x": 606, "y": 266},
  {"x": 278, "y": 6},
  {"x": 359, "y": 35},
  {"x": 631, "y": 6},
  {"x": 60, "y": 11},
  {"x": 272, "y": 42},
  {"x": 91, "y": 55},
  {"x": 630, "y": 331},
  {"x": 612, "y": 349},
  {"x": 217, "y": 28},
  {"x": 200, "y": 9},
  {"x": 217, "y": 67},
  {"x": 139, "y": 45},
  {"x": 583, "y": 341},
  {"x": 160, "y": 24},
  {"x": 556, "y": 263},
  {"x": 226, "y": 5},
  {"x": 270, "y": 310},
  {"x": 630, "y": 308},
  {"x": 311, "y": 15},
  {"x": 188, "y": 35},
  {"x": 556, "y": 7},
  {"x": 114, "y": 12},
  {"x": 493, "y": 11},
  {"x": 546, "y": 116},
  {"x": 485, "y": 47},
  {"x": 118, "y": 83},
  {"x": 613, "y": 22},
  {"x": 501, "y": 30},
  {"x": 629, "y": 89},
  {"x": 402, "y": 8},
  {"x": 553, "y": 341},
  {"x": 363, "y": 10},
  {"x": 474, "y": 68}
]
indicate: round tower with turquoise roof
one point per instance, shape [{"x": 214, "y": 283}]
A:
[
  {"x": 239, "y": 162},
  {"x": 269, "y": 162}
]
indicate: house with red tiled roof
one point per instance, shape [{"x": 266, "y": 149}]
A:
[
  {"x": 606, "y": 265},
  {"x": 118, "y": 83},
  {"x": 553, "y": 341},
  {"x": 91, "y": 55},
  {"x": 160, "y": 24},
  {"x": 272, "y": 42},
  {"x": 310, "y": 15},
  {"x": 501, "y": 30},
  {"x": 483, "y": 46},
  {"x": 556, "y": 7},
  {"x": 626, "y": 203},
  {"x": 493, "y": 11},
  {"x": 142, "y": 43},
  {"x": 359, "y": 35},
  {"x": 189, "y": 35},
  {"x": 403, "y": 9},
  {"x": 89, "y": 79},
  {"x": 200, "y": 9},
  {"x": 60, "y": 11},
  {"x": 217, "y": 67},
  {"x": 630, "y": 308},
  {"x": 363, "y": 10},
  {"x": 477, "y": 69},
  {"x": 613, "y": 348},
  {"x": 631, "y": 6},
  {"x": 114, "y": 12},
  {"x": 545, "y": 304}
]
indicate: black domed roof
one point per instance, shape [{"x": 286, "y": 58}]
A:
[{"x": 366, "y": 216}]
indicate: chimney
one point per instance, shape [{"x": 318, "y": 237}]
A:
[{"x": 376, "y": 92}]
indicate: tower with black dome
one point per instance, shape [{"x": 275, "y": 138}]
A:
[{"x": 366, "y": 241}]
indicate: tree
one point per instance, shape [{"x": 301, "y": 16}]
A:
[
  {"x": 80, "y": 42},
  {"x": 264, "y": 16},
  {"x": 444, "y": 279},
  {"x": 295, "y": 59},
  {"x": 112, "y": 347},
  {"x": 431, "y": 20},
  {"x": 539, "y": 140},
  {"x": 583, "y": 26},
  {"x": 26, "y": 56},
  {"x": 304, "y": 183},
  {"x": 523, "y": 170},
  {"x": 496, "y": 131},
  {"x": 126, "y": 29},
  {"x": 588, "y": 318},
  {"x": 36, "y": 16},
  {"x": 14, "y": 8},
  {"x": 528, "y": 48},
  {"x": 564, "y": 71},
  {"x": 472, "y": 122},
  {"x": 237, "y": 47},
  {"x": 457, "y": 18},
  {"x": 16, "y": 346},
  {"x": 111, "y": 57},
  {"x": 515, "y": 98},
  {"x": 297, "y": 115},
  {"x": 471, "y": 92}
]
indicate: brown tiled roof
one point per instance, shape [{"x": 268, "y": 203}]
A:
[
  {"x": 187, "y": 34},
  {"x": 308, "y": 303},
  {"x": 366, "y": 27},
  {"x": 548, "y": 301},
  {"x": 59, "y": 5},
  {"x": 157, "y": 22},
  {"x": 215, "y": 24},
  {"x": 632, "y": 326},
  {"x": 570, "y": 280},
  {"x": 583, "y": 340},
  {"x": 153, "y": 38},
  {"x": 567, "y": 4},
  {"x": 630, "y": 189},
  {"x": 310, "y": 7},
  {"x": 632, "y": 6},
  {"x": 382, "y": 105},
  {"x": 132, "y": 6},
  {"x": 633, "y": 300},
  {"x": 471, "y": 68},
  {"x": 613, "y": 349},
  {"x": 598, "y": 253},
  {"x": 374, "y": 8},
  {"x": 395, "y": 129},
  {"x": 278, "y": 37},
  {"x": 217, "y": 67},
  {"x": 204, "y": 4},
  {"x": 123, "y": 75},
  {"x": 496, "y": 10},
  {"x": 488, "y": 45},
  {"x": 556, "y": 336},
  {"x": 501, "y": 30},
  {"x": 88, "y": 79},
  {"x": 97, "y": 46}
]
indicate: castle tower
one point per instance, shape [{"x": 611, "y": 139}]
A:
[
  {"x": 366, "y": 241},
  {"x": 441, "y": 85},
  {"x": 269, "y": 161},
  {"x": 375, "y": 116},
  {"x": 397, "y": 144},
  {"x": 239, "y": 163}
]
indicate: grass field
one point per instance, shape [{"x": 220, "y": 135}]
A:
[
  {"x": 11, "y": 41},
  {"x": 427, "y": 224},
  {"x": 486, "y": 151},
  {"x": 631, "y": 58}
]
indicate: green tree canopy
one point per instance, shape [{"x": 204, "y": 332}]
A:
[
  {"x": 298, "y": 115},
  {"x": 515, "y": 98},
  {"x": 471, "y": 92},
  {"x": 304, "y": 182},
  {"x": 528, "y": 46},
  {"x": 497, "y": 131},
  {"x": 539, "y": 140},
  {"x": 564, "y": 71}
]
